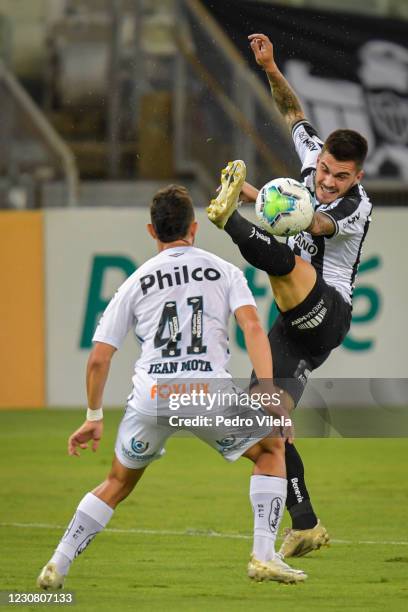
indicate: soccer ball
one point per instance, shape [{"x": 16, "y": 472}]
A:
[{"x": 284, "y": 207}]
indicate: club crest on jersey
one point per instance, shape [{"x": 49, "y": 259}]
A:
[
  {"x": 177, "y": 276},
  {"x": 305, "y": 244}
]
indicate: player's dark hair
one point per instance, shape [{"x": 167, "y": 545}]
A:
[
  {"x": 347, "y": 145},
  {"x": 171, "y": 213}
]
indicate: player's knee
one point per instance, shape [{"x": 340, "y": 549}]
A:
[
  {"x": 275, "y": 446},
  {"x": 272, "y": 447},
  {"x": 282, "y": 264},
  {"x": 285, "y": 263}
]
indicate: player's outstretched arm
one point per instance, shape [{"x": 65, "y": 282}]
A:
[
  {"x": 256, "y": 341},
  {"x": 286, "y": 100},
  {"x": 96, "y": 376},
  {"x": 259, "y": 351}
]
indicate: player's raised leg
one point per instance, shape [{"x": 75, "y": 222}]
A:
[
  {"x": 268, "y": 495},
  {"x": 292, "y": 279},
  {"x": 91, "y": 516}
]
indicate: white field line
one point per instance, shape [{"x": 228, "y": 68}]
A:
[{"x": 196, "y": 533}]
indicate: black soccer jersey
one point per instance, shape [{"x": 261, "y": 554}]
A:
[{"x": 336, "y": 257}]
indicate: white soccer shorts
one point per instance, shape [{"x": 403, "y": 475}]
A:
[{"x": 142, "y": 435}]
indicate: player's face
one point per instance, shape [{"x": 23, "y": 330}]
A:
[{"x": 334, "y": 178}]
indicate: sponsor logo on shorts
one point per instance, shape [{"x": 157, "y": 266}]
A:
[
  {"x": 137, "y": 456},
  {"x": 226, "y": 442},
  {"x": 138, "y": 446},
  {"x": 312, "y": 318},
  {"x": 224, "y": 450},
  {"x": 302, "y": 372},
  {"x": 275, "y": 514}
]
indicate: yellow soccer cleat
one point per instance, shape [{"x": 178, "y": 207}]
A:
[
  {"x": 300, "y": 542},
  {"x": 275, "y": 570},
  {"x": 49, "y": 578},
  {"x": 222, "y": 207}
]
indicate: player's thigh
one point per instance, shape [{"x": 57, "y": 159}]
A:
[
  {"x": 235, "y": 427},
  {"x": 292, "y": 289}
]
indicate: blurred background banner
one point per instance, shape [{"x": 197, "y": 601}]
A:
[
  {"x": 22, "y": 310},
  {"x": 84, "y": 255},
  {"x": 349, "y": 70}
]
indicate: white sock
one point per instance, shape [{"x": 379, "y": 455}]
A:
[
  {"x": 268, "y": 498},
  {"x": 91, "y": 517}
]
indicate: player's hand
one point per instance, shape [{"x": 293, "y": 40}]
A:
[
  {"x": 280, "y": 407},
  {"x": 262, "y": 49},
  {"x": 289, "y": 433},
  {"x": 90, "y": 430}
]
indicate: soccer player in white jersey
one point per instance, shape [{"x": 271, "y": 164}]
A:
[
  {"x": 313, "y": 275},
  {"x": 178, "y": 303}
]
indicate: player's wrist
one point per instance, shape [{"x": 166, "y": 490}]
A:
[
  {"x": 272, "y": 71},
  {"x": 94, "y": 415}
]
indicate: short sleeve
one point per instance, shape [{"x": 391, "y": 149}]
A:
[
  {"x": 307, "y": 144},
  {"x": 345, "y": 214},
  {"x": 118, "y": 317},
  {"x": 240, "y": 294}
]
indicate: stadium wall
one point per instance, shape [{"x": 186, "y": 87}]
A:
[{"x": 63, "y": 266}]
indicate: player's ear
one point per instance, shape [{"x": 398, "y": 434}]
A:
[
  {"x": 194, "y": 228},
  {"x": 151, "y": 231},
  {"x": 360, "y": 175}
]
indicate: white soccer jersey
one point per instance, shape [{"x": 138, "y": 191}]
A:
[
  {"x": 336, "y": 257},
  {"x": 178, "y": 304}
]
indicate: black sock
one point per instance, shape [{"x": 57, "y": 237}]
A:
[
  {"x": 298, "y": 500},
  {"x": 259, "y": 248}
]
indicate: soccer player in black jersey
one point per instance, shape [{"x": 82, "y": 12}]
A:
[{"x": 312, "y": 275}]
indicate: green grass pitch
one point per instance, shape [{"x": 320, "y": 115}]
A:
[{"x": 171, "y": 561}]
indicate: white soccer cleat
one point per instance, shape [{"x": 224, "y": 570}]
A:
[
  {"x": 300, "y": 542},
  {"x": 276, "y": 570},
  {"x": 222, "y": 207},
  {"x": 49, "y": 578}
]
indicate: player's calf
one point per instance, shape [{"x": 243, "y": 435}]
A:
[
  {"x": 268, "y": 488},
  {"x": 92, "y": 515}
]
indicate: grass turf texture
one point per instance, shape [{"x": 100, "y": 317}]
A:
[{"x": 359, "y": 490}]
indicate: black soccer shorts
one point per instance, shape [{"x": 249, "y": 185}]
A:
[{"x": 301, "y": 339}]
